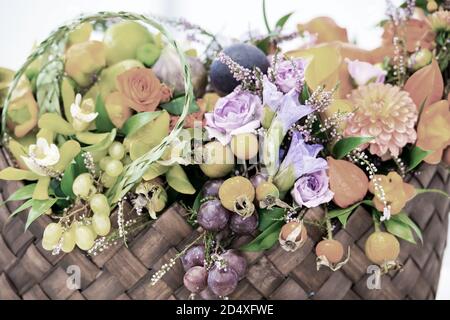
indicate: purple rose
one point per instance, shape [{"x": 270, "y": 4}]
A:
[
  {"x": 312, "y": 190},
  {"x": 290, "y": 74},
  {"x": 238, "y": 112}
]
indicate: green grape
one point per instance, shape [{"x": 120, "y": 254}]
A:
[
  {"x": 114, "y": 168},
  {"x": 52, "y": 234},
  {"x": 99, "y": 204},
  {"x": 98, "y": 156},
  {"x": 104, "y": 161},
  {"x": 127, "y": 160},
  {"x": 101, "y": 224},
  {"x": 84, "y": 237},
  {"x": 116, "y": 150},
  {"x": 68, "y": 240},
  {"x": 108, "y": 181},
  {"x": 48, "y": 246},
  {"x": 83, "y": 185}
]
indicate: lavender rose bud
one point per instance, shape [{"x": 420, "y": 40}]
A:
[
  {"x": 238, "y": 112},
  {"x": 312, "y": 190},
  {"x": 290, "y": 74},
  {"x": 271, "y": 102},
  {"x": 363, "y": 73},
  {"x": 289, "y": 112},
  {"x": 301, "y": 159}
]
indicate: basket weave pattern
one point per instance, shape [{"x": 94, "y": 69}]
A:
[{"x": 27, "y": 271}]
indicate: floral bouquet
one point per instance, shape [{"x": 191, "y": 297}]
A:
[{"x": 248, "y": 138}]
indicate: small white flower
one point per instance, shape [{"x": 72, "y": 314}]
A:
[
  {"x": 363, "y": 73},
  {"x": 41, "y": 156},
  {"x": 82, "y": 113}
]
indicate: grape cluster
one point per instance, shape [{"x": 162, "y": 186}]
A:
[
  {"x": 220, "y": 276},
  {"x": 89, "y": 218},
  {"x": 213, "y": 216},
  {"x": 219, "y": 279}
]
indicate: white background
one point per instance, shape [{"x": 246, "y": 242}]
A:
[{"x": 23, "y": 22}]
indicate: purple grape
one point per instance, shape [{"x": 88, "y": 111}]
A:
[
  {"x": 207, "y": 294},
  {"x": 194, "y": 256},
  {"x": 241, "y": 225},
  {"x": 211, "y": 188},
  {"x": 212, "y": 216},
  {"x": 223, "y": 281},
  {"x": 257, "y": 179},
  {"x": 223, "y": 234},
  {"x": 195, "y": 279},
  {"x": 235, "y": 261}
]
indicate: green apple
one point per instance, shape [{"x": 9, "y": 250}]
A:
[
  {"x": 108, "y": 76},
  {"x": 148, "y": 53},
  {"x": 80, "y": 34},
  {"x": 123, "y": 39}
]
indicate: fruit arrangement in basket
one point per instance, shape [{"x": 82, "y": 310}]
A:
[{"x": 110, "y": 121}]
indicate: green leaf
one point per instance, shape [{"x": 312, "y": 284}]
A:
[
  {"x": 400, "y": 230},
  {"x": 403, "y": 218},
  {"x": 178, "y": 180},
  {"x": 346, "y": 145},
  {"x": 175, "y": 107},
  {"x": 104, "y": 144},
  {"x": 282, "y": 21},
  {"x": 305, "y": 94},
  {"x": 24, "y": 206},
  {"x": 267, "y": 217},
  {"x": 264, "y": 44},
  {"x": 438, "y": 191},
  {"x": 26, "y": 192},
  {"x": 344, "y": 214},
  {"x": 139, "y": 120},
  {"x": 47, "y": 87},
  {"x": 38, "y": 208},
  {"x": 197, "y": 201},
  {"x": 266, "y": 239},
  {"x": 102, "y": 122},
  {"x": 67, "y": 181},
  {"x": 416, "y": 156}
]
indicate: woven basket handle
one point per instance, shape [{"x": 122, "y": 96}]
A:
[{"x": 135, "y": 170}]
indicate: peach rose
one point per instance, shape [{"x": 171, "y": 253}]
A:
[{"x": 140, "y": 89}]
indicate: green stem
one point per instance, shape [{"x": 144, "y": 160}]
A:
[
  {"x": 329, "y": 228},
  {"x": 266, "y": 21},
  {"x": 376, "y": 223}
]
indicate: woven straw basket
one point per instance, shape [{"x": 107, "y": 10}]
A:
[{"x": 27, "y": 271}]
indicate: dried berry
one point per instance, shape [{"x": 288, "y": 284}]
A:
[
  {"x": 293, "y": 235},
  {"x": 330, "y": 249}
]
